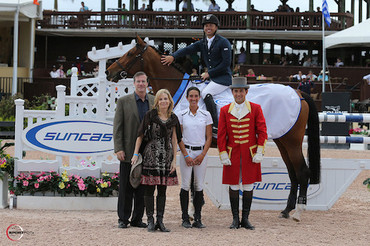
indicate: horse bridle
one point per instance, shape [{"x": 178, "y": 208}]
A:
[{"x": 139, "y": 56}]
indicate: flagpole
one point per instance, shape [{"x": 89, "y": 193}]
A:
[{"x": 323, "y": 52}]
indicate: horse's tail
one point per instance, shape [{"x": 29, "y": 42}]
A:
[{"x": 313, "y": 135}]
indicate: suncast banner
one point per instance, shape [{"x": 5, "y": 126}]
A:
[{"x": 70, "y": 137}]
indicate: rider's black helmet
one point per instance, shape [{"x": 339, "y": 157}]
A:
[{"x": 210, "y": 19}]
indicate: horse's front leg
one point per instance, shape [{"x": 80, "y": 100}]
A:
[
  {"x": 303, "y": 177},
  {"x": 292, "y": 198}
]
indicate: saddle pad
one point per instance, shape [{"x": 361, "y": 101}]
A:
[{"x": 280, "y": 104}]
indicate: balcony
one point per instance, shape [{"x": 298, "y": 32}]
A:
[{"x": 192, "y": 20}]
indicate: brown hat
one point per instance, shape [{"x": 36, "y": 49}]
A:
[
  {"x": 239, "y": 82},
  {"x": 135, "y": 173}
]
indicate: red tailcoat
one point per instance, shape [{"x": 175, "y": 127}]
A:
[{"x": 240, "y": 139}]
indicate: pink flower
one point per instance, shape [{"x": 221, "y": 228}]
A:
[
  {"x": 37, "y": 185},
  {"x": 25, "y": 183},
  {"x": 81, "y": 186},
  {"x": 68, "y": 185},
  {"x": 109, "y": 184}
]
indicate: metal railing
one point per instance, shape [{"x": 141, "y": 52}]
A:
[
  {"x": 191, "y": 20},
  {"x": 6, "y": 86}
]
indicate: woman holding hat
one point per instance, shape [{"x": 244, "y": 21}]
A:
[
  {"x": 241, "y": 140},
  {"x": 158, "y": 130},
  {"x": 196, "y": 126}
]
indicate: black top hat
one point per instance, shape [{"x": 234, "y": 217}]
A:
[{"x": 239, "y": 82}]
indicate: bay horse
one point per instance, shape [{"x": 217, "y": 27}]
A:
[{"x": 146, "y": 58}]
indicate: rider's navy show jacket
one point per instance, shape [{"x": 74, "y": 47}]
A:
[{"x": 217, "y": 58}]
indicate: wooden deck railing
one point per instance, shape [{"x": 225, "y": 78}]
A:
[{"x": 191, "y": 20}]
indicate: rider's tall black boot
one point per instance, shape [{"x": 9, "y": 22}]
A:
[
  {"x": 234, "y": 203},
  {"x": 184, "y": 202},
  {"x": 198, "y": 203},
  {"x": 211, "y": 107},
  {"x": 247, "y": 202}
]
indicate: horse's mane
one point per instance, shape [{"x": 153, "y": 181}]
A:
[{"x": 174, "y": 64}]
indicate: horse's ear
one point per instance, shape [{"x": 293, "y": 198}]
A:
[{"x": 139, "y": 40}]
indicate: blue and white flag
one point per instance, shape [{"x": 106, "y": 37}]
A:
[{"x": 325, "y": 12}]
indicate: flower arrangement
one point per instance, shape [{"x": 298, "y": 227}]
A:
[
  {"x": 359, "y": 131},
  {"x": 65, "y": 184},
  {"x": 6, "y": 161}
]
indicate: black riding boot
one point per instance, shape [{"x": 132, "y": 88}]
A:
[
  {"x": 161, "y": 203},
  {"x": 149, "y": 206},
  {"x": 234, "y": 203},
  {"x": 184, "y": 202},
  {"x": 247, "y": 202},
  {"x": 211, "y": 107},
  {"x": 198, "y": 203}
]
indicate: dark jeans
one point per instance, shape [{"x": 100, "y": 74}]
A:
[{"x": 128, "y": 195}]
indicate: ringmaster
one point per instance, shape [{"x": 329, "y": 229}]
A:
[
  {"x": 130, "y": 112},
  {"x": 241, "y": 139},
  {"x": 216, "y": 53}
]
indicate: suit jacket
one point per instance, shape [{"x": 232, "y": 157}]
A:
[
  {"x": 217, "y": 58},
  {"x": 240, "y": 138},
  {"x": 126, "y": 124}
]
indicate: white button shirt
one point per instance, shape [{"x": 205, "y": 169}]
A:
[{"x": 194, "y": 126}]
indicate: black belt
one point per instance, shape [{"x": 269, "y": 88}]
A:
[{"x": 194, "y": 147}]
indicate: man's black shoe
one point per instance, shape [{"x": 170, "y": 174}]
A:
[
  {"x": 139, "y": 224},
  {"x": 121, "y": 224}
]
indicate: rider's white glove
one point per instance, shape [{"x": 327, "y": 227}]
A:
[
  {"x": 225, "y": 159},
  {"x": 258, "y": 157}
]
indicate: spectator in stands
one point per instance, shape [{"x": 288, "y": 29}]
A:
[
  {"x": 185, "y": 6},
  {"x": 306, "y": 85},
  {"x": 53, "y": 72},
  {"x": 213, "y": 6},
  {"x": 283, "y": 61},
  {"x": 297, "y": 10},
  {"x": 311, "y": 76},
  {"x": 308, "y": 62},
  {"x": 83, "y": 7},
  {"x": 251, "y": 73},
  {"x": 60, "y": 72},
  {"x": 339, "y": 63},
  {"x": 236, "y": 70},
  {"x": 229, "y": 9},
  {"x": 297, "y": 77},
  {"x": 124, "y": 17},
  {"x": 320, "y": 77},
  {"x": 148, "y": 8},
  {"x": 96, "y": 70},
  {"x": 253, "y": 9},
  {"x": 80, "y": 66},
  {"x": 318, "y": 10},
  {"x": 266, "y": 62},
  {"x": 242, "y": 57},
  {"x": 142, "y": 7},
  {"x": 194, "y": 72}
]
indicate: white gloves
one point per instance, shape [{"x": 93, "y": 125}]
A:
[
  {"x": 225, "y": 159},
  {"x": 258, "y": 157}
]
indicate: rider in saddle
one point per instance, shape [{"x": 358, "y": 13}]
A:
[{"x": 216, "y": 53}]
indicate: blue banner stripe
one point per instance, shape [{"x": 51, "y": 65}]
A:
[{"x": 181, "y": 89}]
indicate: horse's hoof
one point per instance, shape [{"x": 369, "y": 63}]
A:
[
  {"x": 296, "y": 217},
  {"x": 284, "y": 215}
]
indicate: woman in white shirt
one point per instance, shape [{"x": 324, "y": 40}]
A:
[{"x": 196, "y": 126}]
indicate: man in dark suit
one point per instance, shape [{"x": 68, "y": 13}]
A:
[
  {"x": 216, "y": 53},
  {"x": 129, "y": 113}
]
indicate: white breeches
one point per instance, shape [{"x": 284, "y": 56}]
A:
[
  {"x": 199, "y": 171},
  {"x": 213, "y": 89},
  {"x": 245, "y": 187}
]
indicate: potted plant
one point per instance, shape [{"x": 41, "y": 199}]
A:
[{"x": 6, "y": 169}]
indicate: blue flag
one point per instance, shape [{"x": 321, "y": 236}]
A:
[{"x": 325, "y": 12}]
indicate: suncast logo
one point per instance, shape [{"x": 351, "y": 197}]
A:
[
  {"x": 275, "y": 188},
  {"x": 222, "y": 102},
  {"x": 70, "y": 136}
]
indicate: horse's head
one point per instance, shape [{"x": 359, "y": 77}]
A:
[{"x": 129, "y": 63}]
